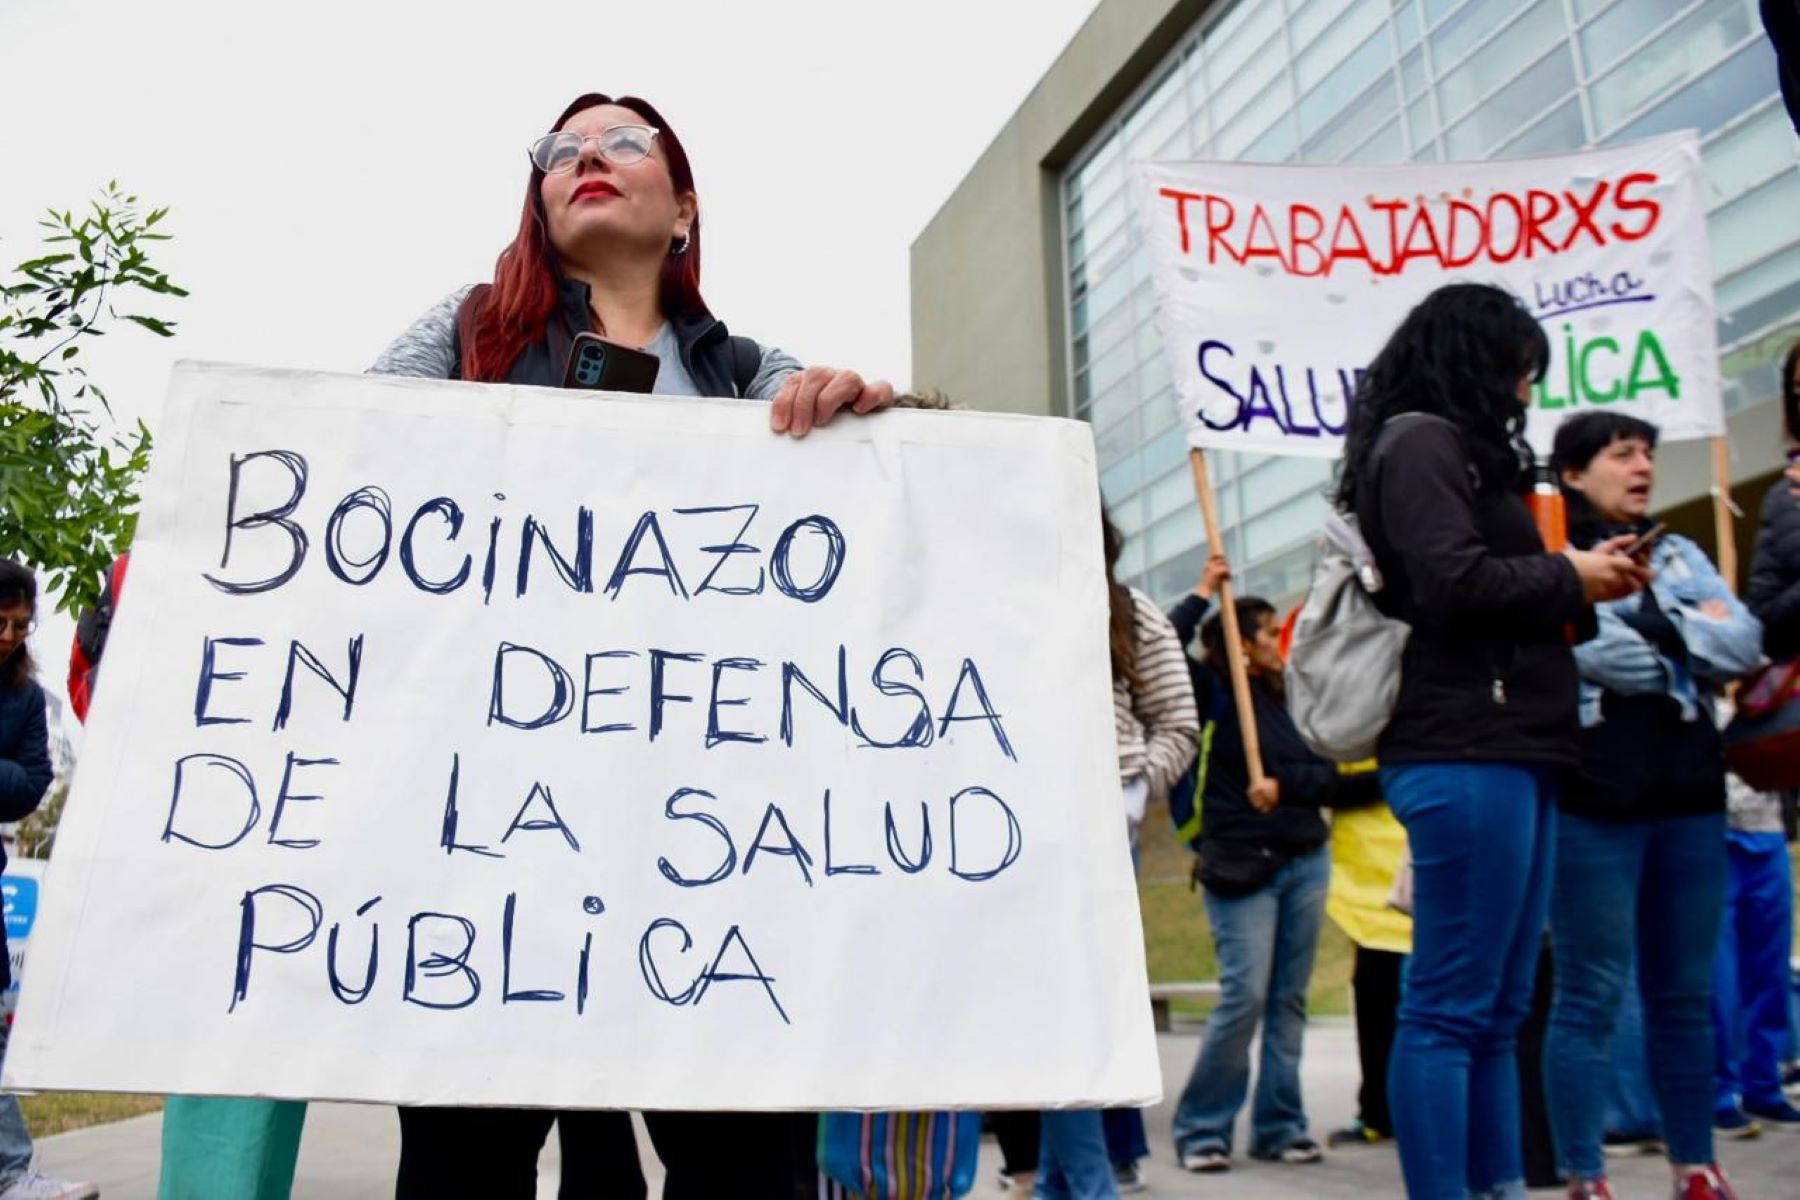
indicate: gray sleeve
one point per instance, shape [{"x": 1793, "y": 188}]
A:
[
  {"x": 428, "y": 348},
  {"x": 776, "y": 366}
]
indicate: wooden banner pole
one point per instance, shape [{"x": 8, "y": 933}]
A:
[
  {"x": 1724, "y": 528},
  {"x": 1234, "y": 641}
]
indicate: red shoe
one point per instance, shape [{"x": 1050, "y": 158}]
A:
[
  {"x": 1709, "y": 1184},
  {"x": 1590, "y": 1189}
]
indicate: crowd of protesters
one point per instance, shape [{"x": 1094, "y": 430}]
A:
[{"x": 1549, "y": 819}]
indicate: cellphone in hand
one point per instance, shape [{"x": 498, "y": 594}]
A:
[
  {"x": 602, "y": 366},
  {"x": 1641, "y": 548}
]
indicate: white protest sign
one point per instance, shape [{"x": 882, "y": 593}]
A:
[
  {"x": 470, "y": 745},
  {"x": 1277, "y": 284}
]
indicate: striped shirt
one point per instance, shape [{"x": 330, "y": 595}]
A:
[{"x": 1157, "y": 724}]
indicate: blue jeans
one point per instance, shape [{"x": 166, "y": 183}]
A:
[
  {"x": 1630, "y": 1105},
  {"x": 15, "y": 1139},
  {"x": 1072, "y": 1159},
  {"x": 1751, "y": 979},
  {"x": 1483, "y": 839},
  {"x": 1265, "y": 943},
  {"x": 1657, "y": 885}
]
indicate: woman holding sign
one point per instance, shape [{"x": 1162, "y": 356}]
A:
[
  {"x": 608, "y": 243},
  {"x": 1434, "y": 468}
]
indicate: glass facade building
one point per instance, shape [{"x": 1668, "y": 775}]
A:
[{"x": 1325, "y": 81}]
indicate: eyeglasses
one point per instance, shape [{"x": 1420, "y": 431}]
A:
[
  {"x": 622, "y": 145},
  {"x": 23, "y": 625}
]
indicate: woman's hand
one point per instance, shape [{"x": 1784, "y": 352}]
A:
[
  {"x": 1607, "y": 572},
  {"x": 810, "y": 398},
  {"x": 1217, "y": 571},
  {"x": 1265, "y": 794}
]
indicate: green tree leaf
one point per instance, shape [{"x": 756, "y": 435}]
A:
[{"x": 68, "y": 480}]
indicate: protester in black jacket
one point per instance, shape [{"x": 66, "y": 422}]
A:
[
  {"x": 25, "y": 775},
  {"x": 1774, "y": 593},
  {"x": 1265, "y": 869},
  {"x": 1434, "y": 466},
  {"x": 25, "y": 770}
]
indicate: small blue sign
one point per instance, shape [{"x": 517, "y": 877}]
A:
[{"x": 21, "y": 898}]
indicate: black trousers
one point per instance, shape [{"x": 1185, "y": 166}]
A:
[
  {"x": 1018, "y": 1134},
  {"x": 1376, "y": 979},
  {"x": 492, "y": 1154},
  {"x": 1536, "y": 1141}
]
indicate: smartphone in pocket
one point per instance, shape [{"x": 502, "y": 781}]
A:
[{"x": 598, "y": 365}]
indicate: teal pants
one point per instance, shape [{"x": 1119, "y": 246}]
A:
[{"x": 217, "y": 1148}]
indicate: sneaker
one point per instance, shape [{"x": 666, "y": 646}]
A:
[
  {"x": 32, "y": 1186},
  {"x": 1736, "y": 1125},
  {"x": 1298, "y": 1152},
  {"x": 1775, "y": 1116},
  {"x": 1207, "y": 1160},
  {"x": 1129, "y": 1176},
  {"x": 1590, "y": 1189},
  {"x": 1356, "y": 1134},
  {"x": 1627, "y": 1145},
  {"x": 1709, "y": 1184}
]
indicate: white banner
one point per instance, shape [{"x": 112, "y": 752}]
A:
[
  {"x": 1276, "y": 285},
  {"x": 469, "y": 745}
]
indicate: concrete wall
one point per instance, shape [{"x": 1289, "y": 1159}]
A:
[{"x": 991, "y": 259}]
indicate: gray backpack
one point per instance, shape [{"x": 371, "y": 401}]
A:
[{"x": 1343, "y": 670}]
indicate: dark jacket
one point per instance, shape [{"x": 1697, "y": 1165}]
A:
[
  {"x": 720, "y": 364},
  {"x": 1488, "y": 675},
  {"x": 1308, "y": 782},
  {"x": 25, "y": 770},
  {"x": 1774, "y": 594}
]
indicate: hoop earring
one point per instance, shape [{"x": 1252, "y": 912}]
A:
[{"x": 679, "y": 246}]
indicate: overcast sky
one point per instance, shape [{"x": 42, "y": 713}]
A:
[{"x": 336, "y": 167}]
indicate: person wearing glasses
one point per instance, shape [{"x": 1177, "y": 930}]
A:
[
  {"x": 25, "y": 774},
  {"x": 609, "y": 243}
]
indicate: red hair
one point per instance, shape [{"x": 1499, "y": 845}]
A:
[{"x": 512, "y": 314}]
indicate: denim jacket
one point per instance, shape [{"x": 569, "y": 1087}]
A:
[{"x": 1622, "y": 660}]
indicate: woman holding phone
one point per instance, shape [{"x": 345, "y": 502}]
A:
[
  {"x": 1640, "y": 860},
  {"x": 608, "y": 243},
  {"x": 1434, "y": 468}
]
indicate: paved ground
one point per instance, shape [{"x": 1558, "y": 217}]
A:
[{"x": 349, "y": 1150}]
